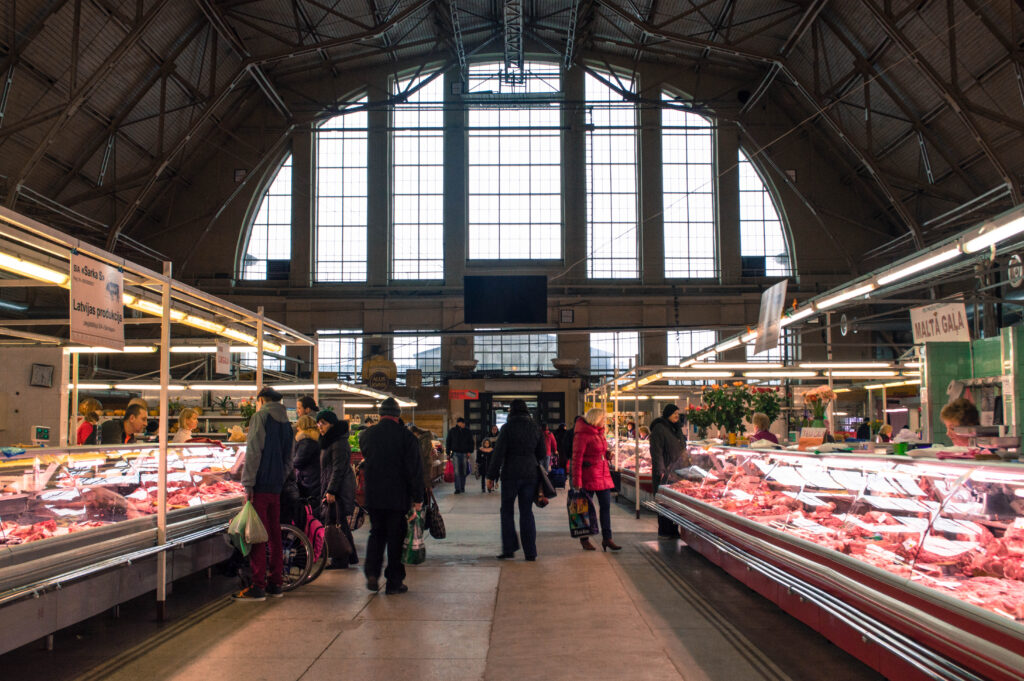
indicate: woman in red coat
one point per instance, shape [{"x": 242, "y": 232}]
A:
[{"x": 591, "y": 474}]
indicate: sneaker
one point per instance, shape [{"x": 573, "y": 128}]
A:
[
  {"x": 400, "y": 589},
  {"x": 251, "y": 593},
  {"x": 275, "y": 591},
  {"x": 372, "y": 584}
]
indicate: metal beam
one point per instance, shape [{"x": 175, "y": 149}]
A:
[
  {"x": 570, "y": 36},
  {"x": 460, "y": 46},
  {"x": 29, "y": 33},
  {"x": 798, "y": 32},
  {"x": 512, "y": 22}
]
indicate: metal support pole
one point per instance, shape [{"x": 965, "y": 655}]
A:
[
  {"x": 615, "y": 414},
  {"x": 316, "y": 368},
  {"x": 636, "y": 436},
  {"x": 259, "y": 348},
  {"x": 65, "y": 413},
  {"x": 828, "y": 350},
  {"x": 161, "y": 497},
  {"x": 73, "y": 408}
]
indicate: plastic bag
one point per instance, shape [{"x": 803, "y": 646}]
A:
[
  {"x": 414, "y": 549},
  {"x": 246, "y": 529},
  {"x": 578, "y": 504},
  {"x": 449, "y": 471}
]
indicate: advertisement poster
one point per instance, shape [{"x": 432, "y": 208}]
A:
[
  {"x": 223, "y": 357},
  {"x": 772, "y": 302},
  {"x": 97, "y": 306},
  {"x": 942, "y": 322}
]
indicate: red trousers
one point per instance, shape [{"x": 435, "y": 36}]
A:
[{"x": 268, "y": 507}]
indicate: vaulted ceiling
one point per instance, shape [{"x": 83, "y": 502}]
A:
[{"x": 107, "y": 106}]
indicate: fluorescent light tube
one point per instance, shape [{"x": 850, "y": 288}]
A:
[
  {"x": 687, "y": 362},
  {"x": 707, "y": 355},
  {"x": 918, "y": 266},
  {"x": 128, "y": 350},
  {"x": 728, "y": 345},
  {"x": 13, "y": 263},
  {"x": 699, "y": 374},
  {"x": 240, "y": 336},
  {"x": 145, "y": 386},
  {"x": 796, "y": 316},
  {"x": 845, "y": 365},
  {"x": 993, "y": 233},
  {"x": 749, "y": 337},
  {"x": 862, "y": 374},
  {"x": 845, "y": 295},
  {"x": 780, "y": 374},
  {"x": 233, "y": 387},
  {"x": 737, "y": 365},
  {"x": 90, "y": 386},
  {"x": 202, "y": 323}
]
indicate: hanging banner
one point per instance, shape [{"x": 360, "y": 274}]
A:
[
  {"x": 768, "y": 324},
  {"x": 943, "y": 322},
  {"x": 97, "y": 306},
  {"x": 223, "y": 357}
]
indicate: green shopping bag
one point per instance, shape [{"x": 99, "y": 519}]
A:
[
  {"x": 414, "y": 548},
  {"x": 246, "y": 529}
]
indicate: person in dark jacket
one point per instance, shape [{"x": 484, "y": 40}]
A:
[
  {"x": 520, "y": 448},
  {"x": 393, "y": 480},
  {"x": 307, "y": 458},
  {"x": 426, "y": 442},
  {"x": 565, "y": 444},
  {"x": 483, "y": 458},
  {"x": 124, "y": 431},
  {"x": 864, "y": 430},
  {"x": 668, "y": 452},
  {"x": 459, "y": 445},
  {"x": 268, "y": 461},
  {"x": 337, "y": 481}
]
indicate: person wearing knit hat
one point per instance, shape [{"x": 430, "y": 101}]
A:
[
  {"x": 393, "y": 481},
  {"x": 668, "y": 453},
  {"x": 328, "y": 417}
]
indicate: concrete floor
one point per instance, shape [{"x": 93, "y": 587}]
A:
[{"x": 655, "y": 611}]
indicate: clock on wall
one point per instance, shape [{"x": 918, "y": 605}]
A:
[{"x": 42, "y": 375}]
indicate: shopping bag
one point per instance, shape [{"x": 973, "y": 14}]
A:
[
  {"x": 578, "y": 504},
  {"x": 449, "y": 471},
  {"x": 246, "y": 527},
  {"x": 255, "y": 532},
  {"x": 432, "y": 518},
  {"x": 414, "y": 549}
]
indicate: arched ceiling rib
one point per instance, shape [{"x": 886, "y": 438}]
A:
[{"x": 104, "y": 104}]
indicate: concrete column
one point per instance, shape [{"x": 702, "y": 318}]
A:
[
  {"x": 652, "y": 225},
  {"x": 456, "y": 187},
  {"x": 302, "y": 208},
  {"x": 727, "y": 144},
  {"x": 378, "y": 209},
  {"x": 574, "y": 177}
]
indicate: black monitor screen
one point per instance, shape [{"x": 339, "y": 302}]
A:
[{"x": 506, "y": 300}]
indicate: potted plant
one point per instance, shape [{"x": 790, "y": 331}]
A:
[
  {"x": 729, "y": 406},
  {"x": 817, "y": 400},
  {"x": 701, "y": 419},
  {"x": 225, "y": 404},
  {"x": 768, "y": 401},
  {"x": 246, "y": 409}
]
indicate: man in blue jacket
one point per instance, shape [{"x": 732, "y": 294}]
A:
[{"x": 268, "y": 461}]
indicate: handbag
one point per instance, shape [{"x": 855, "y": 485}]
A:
[
  {"x": 338, "y": 545},
  {"x": 358, "y": 518},
  {"x": 432, "y": 518},
  {"x": 544, "y": 483},
  {"x": 578, "y": 505},
  {"x": 449, "y": 471}
]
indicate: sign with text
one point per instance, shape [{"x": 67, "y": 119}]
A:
[
  {"x": 772, "y": 302},
  {"x": 97, "y": 306},
  {"x": 463, "y": 394},
  {"x": 223, "y": 357},
  {"x": 942, "y": 322}
]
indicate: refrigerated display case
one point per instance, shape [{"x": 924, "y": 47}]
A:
[
  {"x": 78, "y": 527},
  {"x": 914, "y": 565},
  {"x": 627, "y": 468}
]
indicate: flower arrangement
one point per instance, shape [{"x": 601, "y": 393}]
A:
[
  {"x": 246, "y": 409},
  {"x": 768, "y": 401},
  {"x": 701, "y": 419},
  {"x": 818, "y": 399},
  {"x": 728, "y": 405}
]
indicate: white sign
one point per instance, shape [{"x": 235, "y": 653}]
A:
[
  {"x": 772, "y": 302},
  {"x": 943, "y": 322},
  {"x": 223, "y": 357},
  {"x": 97, "y": 306}
]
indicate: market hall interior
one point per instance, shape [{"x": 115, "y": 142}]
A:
[{"x": 656, "y": 611}]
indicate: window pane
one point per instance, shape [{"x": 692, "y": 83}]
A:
[
  {"x": 341, "y": 190},
  {"x": 688, "y": 194},
  {"x": 523, "y": 353},
  {"x": 760, "y": 227},
  {"x": 515, "y": 193},
  {"x": 613, "y": 351},
  {"x": 342, "y": 355},
  {"x": 611, "y": 182},
  {"x": 412, "y": 351},
  {"x": 270, "y": 235},
  {"x": 247, "y": 358}
]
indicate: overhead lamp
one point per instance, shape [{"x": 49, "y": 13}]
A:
[
  {"x": 271, "y": 346},
  {"x": 728, "y": 345},
  {"x": 706, "y": 355},
  {"x": 908, "y": 269},
  {"x": 13, "y": 306},
  {"x": 128, "y": 350},
  {"x": 841, "y": 390},
  {"x": 205, "y": 349},
  {"x": 738, "y": 365},
  {"x": 839, "y": 413},
  {"x": 911, "y": 373},
  {"x": 845, "y": 295},
  {"x": 993, "y": 233},
  {"x": 360, "y": 405},
  {"x": 145, "y": 386},
  {"x": 911, "y": 365},
  {"x": 688, "y": 362},
  {"x": 749, "y": 337},
  {"x": 666, "y": 397},
  {"x": 897, "y": 410},
  {"x": 894, "y": 384},
  {"x": 240, "y": 336},
  {"x": 780, "y": 374},
  {"x": 846, "y": 365},
  {"x": 862, "y": 374},
  {"x": 155, "y": 309},
  {"x": 294, "y": 387},
  {"x": 406, "y": 405},
  {"x": 202, "y": 323},
  {"x": 13, "y": 263},
  {"x": 797, "y": 316},
  {"x": 233, "y": 387},
  {"x": 90, "y": 386},
  {"x": 698, "y": 374}
]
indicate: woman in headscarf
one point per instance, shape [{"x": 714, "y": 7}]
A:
[{"x": 337, "y": 480}]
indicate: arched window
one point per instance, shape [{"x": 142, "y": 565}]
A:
[
  {"x": 341, "y": 191},
  {"x": 688, "y": 190},
  {"x": 612, "y": 235},
  {"x": 270, "y": 236},
  {"x": 761, "y": 236},
  {"x": 515, "y": 157},
  {"x": 417, "y": 181}
]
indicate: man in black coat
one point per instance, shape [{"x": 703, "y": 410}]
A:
[
  {"x": 393, "y": 474},
  {"x": 460, "y": 446},
  {"x": 668, "y": 452},
  {"x": 515, "y": 460}
]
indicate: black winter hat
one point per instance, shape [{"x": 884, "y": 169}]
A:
[
  {"x": 389, "y": 407},
  {"x": 327, "y": 416},
  {"x": 668, "y": 410},
  {"x": 518, "y": 407}
]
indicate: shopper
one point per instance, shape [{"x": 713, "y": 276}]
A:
[
  {"x": 268, "y": 461},
  {"x": 519, "y": 449},
  {"x": 459, "y": 445},
  {"x": 483, "y": 459},
  {"x": 188, "y": 423},
  {"x": 645, "y": 433},
  {"x": 958, "y": 413},
  {"x": 494, "y": 434},
  {"x": 761, "y": 424},
  {"x": 885, "y": 433},
  {"x": 550, "y": 446},
  {"x": 89, "y": 429},
  {"x": 337, "y": 480},
  {"x": 393, "y": 481},
  {"x": 306, "y": 406},
  {"x": 591, "y": 474},
  {"x": 565, "y": 445},
  {"x": 668, "y": 451},
  {"x": 123, "y": 431},
  {"x": 426, "y": 441},
  {"x": 306, "y": 458},
  {"x": 864, "y": 430}
]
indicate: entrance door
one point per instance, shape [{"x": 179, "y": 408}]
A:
[
  {"x": 479, "y": 415},
  {"x": 551, "y": 408}
]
